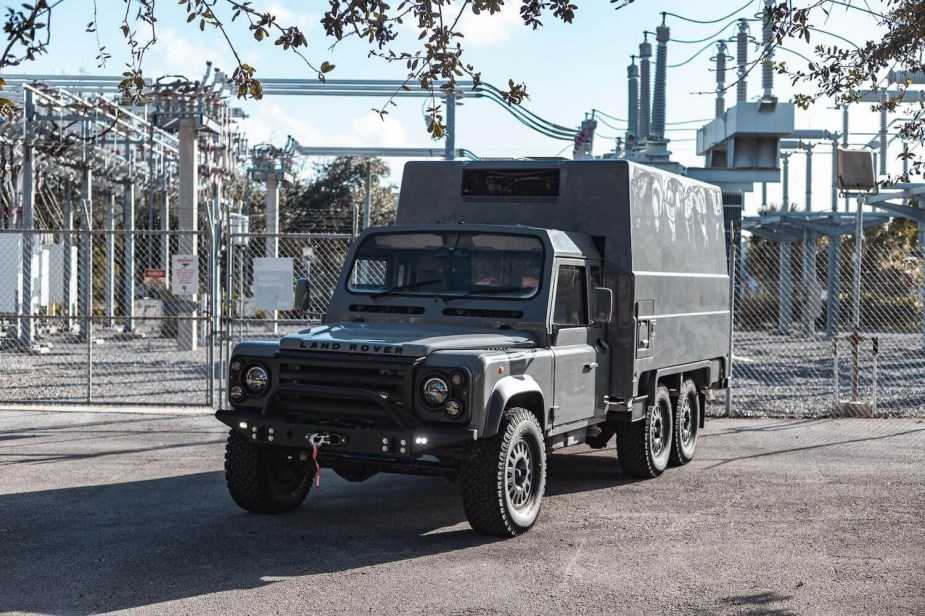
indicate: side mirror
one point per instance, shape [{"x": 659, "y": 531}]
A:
[
  {"x": 301, "y": 294},
  {"x": 601, "y": 305}
]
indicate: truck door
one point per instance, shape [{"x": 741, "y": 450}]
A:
[{"x": 577, "y": 350}]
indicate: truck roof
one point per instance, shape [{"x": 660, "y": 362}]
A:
[{"x": 643, "y": 219}]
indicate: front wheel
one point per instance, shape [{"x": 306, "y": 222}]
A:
[
  {"x": 265, "y": 479},
  {"x": 503, "y": 478},
  {"x": 643, "y": 447}
]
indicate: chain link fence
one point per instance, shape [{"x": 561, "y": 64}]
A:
[
  {"x": 84, "y": 340},
  {"x": 317, "y": 257},
  {"x": 797, "y": 352},
  {"x": 103, "y": 324}
]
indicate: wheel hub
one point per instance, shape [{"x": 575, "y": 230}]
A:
[
  {"x": 519, "y": 474},
  {"x": 685, "y": 420},
  {"x": 657, "y": 436}
]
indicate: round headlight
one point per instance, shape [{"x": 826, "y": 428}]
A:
[
  {"x": 457, "y": 379},
  {"x": 435, "y": 391},
  {"x": 452, "y": 408},
  {"x": 256, "y": 380}
]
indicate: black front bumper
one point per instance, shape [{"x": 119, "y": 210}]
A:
[{"x": 374, "y": 443}]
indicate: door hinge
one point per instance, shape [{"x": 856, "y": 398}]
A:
[{"x": 553, "y": 412}]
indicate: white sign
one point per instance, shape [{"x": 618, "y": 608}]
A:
[
  {"x": 184, "y": 279},
  {"x": 150, "y": 313},
  {"x": 273, "y": 283}
]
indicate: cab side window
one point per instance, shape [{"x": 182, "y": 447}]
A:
[{"x": 571, "y": 303}]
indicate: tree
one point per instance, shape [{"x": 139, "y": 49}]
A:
[
  {"x": 438, "y": 56},
  {"x": 328, "y": 201},
  {"x": 846, "y": 73}
]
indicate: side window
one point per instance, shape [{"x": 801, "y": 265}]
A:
[{"x": 571, "y": 296}]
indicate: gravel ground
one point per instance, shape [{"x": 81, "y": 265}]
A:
[
  {"x": 106, "y": 512},
  {"x": 775, "y": 376},
  {"x": 794, "y": 376}
]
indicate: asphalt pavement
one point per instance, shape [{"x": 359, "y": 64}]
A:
[{"x": 128, "y": 512}]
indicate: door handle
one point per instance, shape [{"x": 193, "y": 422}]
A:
[{"x": 590, "y": 365}]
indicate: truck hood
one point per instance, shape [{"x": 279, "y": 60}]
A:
[{"x": 401, "y": 339}]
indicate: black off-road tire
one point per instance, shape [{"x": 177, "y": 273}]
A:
[
  {"x": 493, "y": 504},
  {"x": 264, "y": 479},
  {"x": 640, "y": 451},
  {"x": 686, "y": 424}
]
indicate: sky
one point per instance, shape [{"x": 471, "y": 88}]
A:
[{"x": 569, "y": 70}]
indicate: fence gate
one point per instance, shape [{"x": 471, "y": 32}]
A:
[{"x": 107, "y": 323}]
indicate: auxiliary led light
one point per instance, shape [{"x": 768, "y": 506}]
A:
[
  {"x": 243, "y": 425},
  {"x": 236, "y": 393},
  {"x": 420, "y": 440}
]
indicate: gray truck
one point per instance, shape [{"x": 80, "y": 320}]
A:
[{"x": 516, "y": 308}]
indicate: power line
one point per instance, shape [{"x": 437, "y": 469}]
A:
[
  {"x": 706, "y": 38},
  {"x": 598, "y": 112},
  {"x": 607, "y": 115},
  {"x": 606, "y": 123},
  {"x": 693, "y": 57},
  {"x": 711, "y": 21}
]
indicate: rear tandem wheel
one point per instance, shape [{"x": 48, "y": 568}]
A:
[{"x": 643, "y": 447}]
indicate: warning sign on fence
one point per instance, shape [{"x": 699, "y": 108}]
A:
[
  {"x": 156, "y": 276},
  {"x": 185, "y": 278},
  {"x": 273, "y": 284}
]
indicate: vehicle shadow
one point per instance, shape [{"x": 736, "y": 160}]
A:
[
  {"x": 585, "y": 471},
  {"x": 99, "y": 548}
]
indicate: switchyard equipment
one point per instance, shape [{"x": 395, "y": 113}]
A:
[{"x": 516, "y": 308}]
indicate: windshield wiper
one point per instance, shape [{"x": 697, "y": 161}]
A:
[
  {"x": 411, "y": 286},
  {"x": 488, "y": 291}
]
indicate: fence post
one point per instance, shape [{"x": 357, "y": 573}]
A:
[
  {"x": 732, "y": 303},
  {"x": 855, "y": 340},
  {"x": 835, "y": 375},
  {"x": 784, "y": 310},
  {"x": 921, "y": 229},
  {"x": 876, "y": 353},
  {"x": 68, "y": 265},
  {"x": 109, "y": 282},
  {"x": 26, "y": 331},
  {"x": 856, "y": 299},
  {"x": 807, "y": 318},
  {"x": 128, "y": 248},
  {"x": 832, "y": 287}
]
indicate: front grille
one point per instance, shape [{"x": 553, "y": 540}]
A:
[{"x": 343, "y": 390}]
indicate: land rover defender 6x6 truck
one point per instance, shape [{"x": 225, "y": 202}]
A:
[{"x": 514, "y": 309}]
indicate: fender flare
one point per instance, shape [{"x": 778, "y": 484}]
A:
[{"x": 506, "y": 389}]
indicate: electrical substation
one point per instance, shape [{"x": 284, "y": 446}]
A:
[{"x": 128, "y": 243}]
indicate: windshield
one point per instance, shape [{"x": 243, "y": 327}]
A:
[{"x": 449, "y": 265}]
